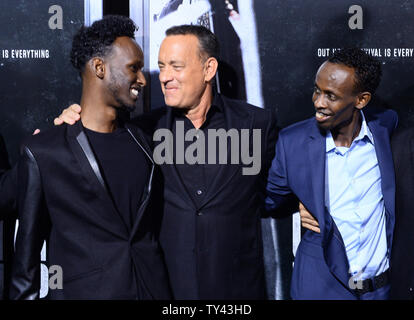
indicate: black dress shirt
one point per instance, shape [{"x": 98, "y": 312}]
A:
[
  {"x": 124, "y": 167},
  {"x": 199, "y": 176}
]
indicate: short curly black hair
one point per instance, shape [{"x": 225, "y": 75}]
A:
[
  {"x": 367, "y": 69},
  {"x": 97, "y": 39}
]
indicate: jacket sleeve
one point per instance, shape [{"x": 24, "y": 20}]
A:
[
  {"x": 8, "y": 183},
  {"x": 8, "y": 191},
  {"x": 279, "y": 197},
  {"x": 25, "y": 281},
  {"x": 271, "y": 138}
]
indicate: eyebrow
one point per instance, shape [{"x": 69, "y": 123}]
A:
[
  {"x": 326, "y": 91},
  {"x": 172, "y": 62},
  {"x": 139, "y": 63}
]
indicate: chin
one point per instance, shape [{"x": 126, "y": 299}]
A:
[
  {"x": 170, "y": 102},
  {"x": 324, "y": 126},
  {"x": 127, "y": 107}
]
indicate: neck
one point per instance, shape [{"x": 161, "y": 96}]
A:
[
  {"x": 344, "y": 136},
  {"x": 198, "y": 114},
  {"x": 96, "y": 115}
]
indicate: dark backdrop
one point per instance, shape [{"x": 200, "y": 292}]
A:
[{"x": 291, "y": 31}]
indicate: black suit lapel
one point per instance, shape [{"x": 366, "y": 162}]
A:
[
  {"x": 84, "y": 143},
  {"x": 386, "y": 165},
  {"x": 82, "y": 151},
  {"x": 317, "y": 154},
  {"x": 139, "y": 139}
]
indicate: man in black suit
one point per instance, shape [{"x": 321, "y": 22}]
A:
[
  {"x": 79, "y": 190},
  {"x": 402, "y": 257},
  {"x": 211, "y": 231}
]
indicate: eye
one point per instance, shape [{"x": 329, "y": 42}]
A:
[
  {"x": 332, "y": 97},
  {"x": 316, "y": 90}
]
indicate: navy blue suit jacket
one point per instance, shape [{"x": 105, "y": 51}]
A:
[{"x": 321, "y": 265}]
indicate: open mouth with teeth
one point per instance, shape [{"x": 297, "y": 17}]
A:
[
  {"x": 135, "y": 92},
  {"x": 322, "y": 116}
]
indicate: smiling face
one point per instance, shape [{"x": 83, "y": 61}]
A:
[
  {"x": 125, "y": 78},
  {"x": 183, "y": 74},
  {"x": 334, "y": 96}
]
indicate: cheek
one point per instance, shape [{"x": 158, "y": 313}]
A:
[
  {"x": 120, "y": 78},
  {"x": 343, "y": 113}
]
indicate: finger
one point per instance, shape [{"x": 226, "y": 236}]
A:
[
  {"x": 312, "y": 228},
  {"x": 57, "y": 121},
  {"x": 69, "y": 117},
  {"x": 36, "y": 131},
  {"x": 69, "y": 114},
  {"x": 66, "y": 119},
  {"x": 311, "y": 222},
  {"x": 76, "y": 108},
  {"x": 74, "y": 116}
]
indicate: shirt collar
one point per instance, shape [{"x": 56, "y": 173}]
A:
[
  {"x": 216, "y": 105},
  {"x": 217, "y": 101},
  {"x": 364, "y": 132}
]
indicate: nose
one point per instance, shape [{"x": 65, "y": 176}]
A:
[
  {"x": 318, "y": 101},
  {"x": 165, "y": 75},
  {"x": 141, "y": 79}
]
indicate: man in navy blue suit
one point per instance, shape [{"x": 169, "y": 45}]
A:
[{"x": 339, "y": 165}]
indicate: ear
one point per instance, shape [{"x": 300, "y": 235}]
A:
[
  {"x": 362, "y": 100},
  {"x": 98, "y": 67},
  {"x": 210, "y": 69}
]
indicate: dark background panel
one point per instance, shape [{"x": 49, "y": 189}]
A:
[
  {"x": 120, "y": 7},
  {"x": 34, "y": 91},
  {"x": 4, "y": 252},
  {"x": 291, "y": 31}
]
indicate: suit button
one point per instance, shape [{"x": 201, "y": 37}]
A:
[
  {"x": 199, "y": 213},
  {"x": 199, "y": 192}
]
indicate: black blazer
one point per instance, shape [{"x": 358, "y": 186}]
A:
[
  {"x": 63, "y": 198},
  {"x": 7, "y": 183},
  {"x": 215, "y": 251},
  {"x": 402, "y": 257}
]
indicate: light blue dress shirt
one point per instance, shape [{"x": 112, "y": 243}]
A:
[{"x": 354, "y": 199}]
